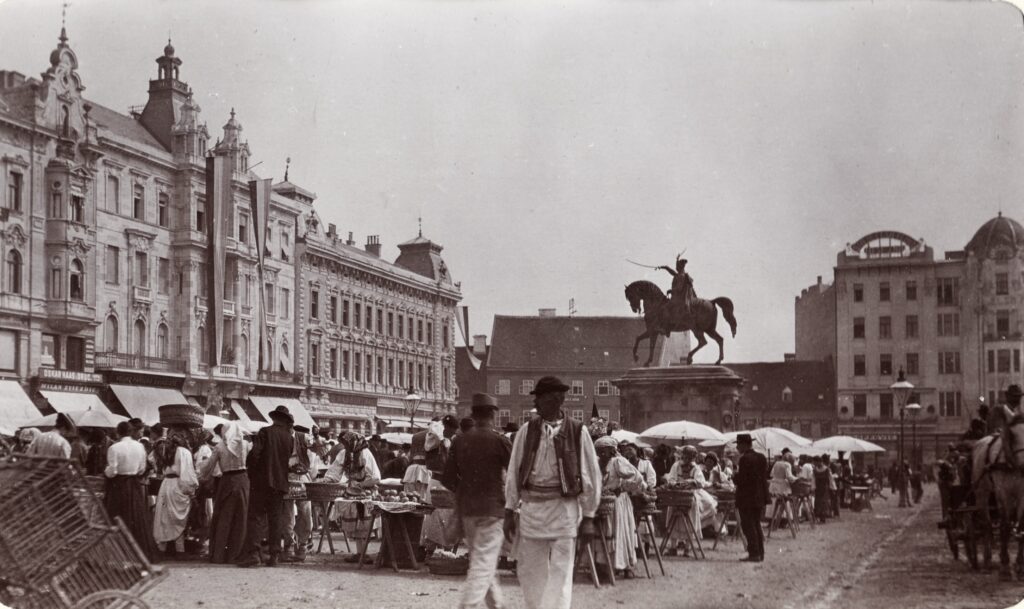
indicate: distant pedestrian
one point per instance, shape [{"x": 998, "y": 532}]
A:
[
  {"x": 751, "y": 495},
  {"x": 475, "y": 472}
]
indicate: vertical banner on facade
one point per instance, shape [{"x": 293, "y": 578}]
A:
[
  {"x": 219, "y": 203},
  {"x": 259, "y": 201},
  {"x": 462, "y": 319}
]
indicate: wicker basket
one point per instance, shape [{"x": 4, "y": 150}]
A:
[
  {"x": 801, "y": 488},
  {"x": 607, "y": 506},
  {"x": 443, "y": 499},
  {"x": 324, "y": 491},
  {"x": 297, "y": 490},
  {"x": 181, "y": 415},
  {"x": 438, "y": 565},
  {"x": 682, "y": 498}
]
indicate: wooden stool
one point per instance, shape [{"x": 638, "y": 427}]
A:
[
  {"x": 730, "y": 515},
  {"x": 645, "y": 533},
  {"x": 681, "y": 514},
  {"x": 323, "y": 512},
  {"x": 602, "y": 520},
  {"x": 782, "y": 504},
  {"x": 580, "y": 545},
  {"x": 804, "y": 501}
]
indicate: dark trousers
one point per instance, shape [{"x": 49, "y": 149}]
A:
[
  {"x": 750, "y": 521},
  {"x": 266, "y": 509}
]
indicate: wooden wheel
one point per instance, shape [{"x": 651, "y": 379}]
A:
[{"x": 107, "y": 599}]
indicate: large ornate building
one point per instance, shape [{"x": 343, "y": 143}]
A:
[
  {"x": 110, "y": 285},
  {"x": 953, "y": 326}
]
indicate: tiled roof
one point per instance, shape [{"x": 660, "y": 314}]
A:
[
  {"x": 560, "y": 343},
  {"x": 806, "y": 379},
  {"x": 122, "y": 126}
]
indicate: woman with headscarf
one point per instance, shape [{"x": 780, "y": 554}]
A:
[
  {"x": 231, "y": 498},
  {"x": 354, "y": 466},
  {"x": 620, "y": 479},
  {"x": 202, "y": 503},
  {"x": 25, "y": 438},
  {"x": 688, "y": 473},
  {"x": 174, "y": 499}
]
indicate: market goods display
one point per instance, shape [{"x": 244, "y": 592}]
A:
[
  {"x": 181, "y": 415},
  {"x": 324, "y": 491},
  {"x": 442, "y": 562},
  {"x": 675, "y": 496}
]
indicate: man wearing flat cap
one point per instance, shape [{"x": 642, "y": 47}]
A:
[
  {"x": 475, "y": 472},
  {"x": 751, "y": 495},
  {"x": 552, "y": 491},
  {"x": 268, "y": 478}
]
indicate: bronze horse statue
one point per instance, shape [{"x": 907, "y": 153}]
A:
[
  {"x": 663, "y": 317},
  {"x": 998, "y": 470}
]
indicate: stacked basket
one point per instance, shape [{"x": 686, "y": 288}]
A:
[
  {"x": 181, "y": 415},
  {"x": 57, "y": 544}
]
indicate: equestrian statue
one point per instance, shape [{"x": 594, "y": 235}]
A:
[{"x": 683, "y": 312}]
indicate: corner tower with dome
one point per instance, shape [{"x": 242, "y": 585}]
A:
[{"x": 953, "y": 324}]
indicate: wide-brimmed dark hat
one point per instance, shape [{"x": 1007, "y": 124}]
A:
[
  {"x": 1014, "y": 391},
  {"x": 510, "y": 427},
  {"x": 281, "y": 413},
  {"x": 300, "y": 428},
  {"x": 744, "y": 438},
  {"x": 483, "y": 403},
  {"x": 549, "y": 384}
]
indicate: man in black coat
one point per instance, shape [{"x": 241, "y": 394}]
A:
[
  {"x": 268, "y": 479},
  {"x": 751, "y": 495}
]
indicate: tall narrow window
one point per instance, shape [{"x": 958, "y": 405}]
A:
[
  {"x": 345, "y": 364},
  {"x": 344, "y": 313},
  {"x": 56, "y": 283},
  {"x": 110, "y": 334},
  {"x": 358, "y": 315},
  {"x": 380, "y": 370},
  {"x": 332, "y": 363},
  {"x": 314, "y": 304},
  {"x": 162, "y": 341},
  {"x": 332, "y": 309},
  {"x": 76, "y": 209},
  {"x": 369, "y": 318},
  {"x": 14, "y": 272},
  {"x": 200, "y": 216},
  {"x": 139, "y": 202},
  {"x": 269, "y": 291},
  {"x": 65, "y": 121},
  {"x": 1002, "y": 284},
  {"x": 163, "y": 275},
  {"x": 162, "y": 210},
  {"x": 111, "y": 263},
  {"x": 76, "y": 281},
  {"x": 911, "y": 290},
  {"x": 243, "y": 228},
  {"x": 113, "y": 193},
  {"x": 380, "y": 320},
  {"x": 56, "y": 205},
  {"x": 286, "y": 303},
  {"x": 141, "y": 269},
  {"x": 139, "y": 346},
  {"x": 14, "y": 186},
  {"x": 286, "y": 245}
]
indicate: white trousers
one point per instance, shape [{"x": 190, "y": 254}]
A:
[
  {"x": 484, "y": 537},
  {"x": 545, "y": 568}
]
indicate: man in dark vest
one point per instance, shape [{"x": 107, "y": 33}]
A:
[
  {"x": 751, "y": 495},
  {"x": 475, "y": 472},
  {"x": 268, "y": 479},
  {"x": 552, "y": 491}
]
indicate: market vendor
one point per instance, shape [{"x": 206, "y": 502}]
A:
[
  {"x": 354, "y": 464},
  {"x": 620, "y": 479},
  {"x": 687, "y": 472}
]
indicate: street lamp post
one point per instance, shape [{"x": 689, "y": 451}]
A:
[
  {"x": 901, "y": 390},
  {"x": 412, "y": 402},
  {"x": 913, "y": 410}
]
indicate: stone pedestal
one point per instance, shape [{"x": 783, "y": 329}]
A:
[{"x": 702, "y": 394}]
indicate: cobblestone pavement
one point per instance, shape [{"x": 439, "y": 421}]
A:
[{"x": 888, "y": 557}]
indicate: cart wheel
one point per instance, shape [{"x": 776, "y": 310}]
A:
[
  {"x": 105, "y": 599},
  {"x": 970, "y": 542}
]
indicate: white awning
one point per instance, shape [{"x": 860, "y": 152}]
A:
[
  {"x": 145, "y": 402},
  {"x": 265, "y": 404},
  {"x": 64, "y": 401},
  {"x": 15, "y": 406}
]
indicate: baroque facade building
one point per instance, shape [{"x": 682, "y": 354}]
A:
[
  {"x": 953, "y": 325},
  {"x": 105, "y": 263}
]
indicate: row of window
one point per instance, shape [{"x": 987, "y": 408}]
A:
[
  {"x": 946, "y": 324},
  {"x": 950, "y": 405},
  {"x": 947, "y": 290},
  {"x": 949, "y": 363},
  {"x": 244, "y": 234},
  {"x": 355, "y": 314},
  {"x": 504, "y": 387},
  {"x": 1000, "y": 360},
  {"x": 505, "y": 416},
  {"x": 369, "y": 368},
  {"x": 112, "y": 202}
]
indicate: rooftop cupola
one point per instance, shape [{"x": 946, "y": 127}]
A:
[{"x": 167, "y": 95}]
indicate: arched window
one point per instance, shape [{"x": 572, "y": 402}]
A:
[
  {"x": 162, "y": 341},
  {"x": 65, "y": 121},
  {"x": 14, "y": 272},
  {"x": 110, "y": 333},
  {"x": 204, "y": 355},
  {"x": 139, "y": 338},
  {"x": 76, "y": 287},
  {"x": 285, "y": 357}
]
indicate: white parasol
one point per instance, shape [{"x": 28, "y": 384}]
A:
[
  {"x": 397, "y": 438},
  {"x": 621, "y": 435},
  {"x": 847, "y": 444},
  {"x": 679, "y": 432}
]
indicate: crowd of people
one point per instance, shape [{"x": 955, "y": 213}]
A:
[{"x": 524, "y": 498}]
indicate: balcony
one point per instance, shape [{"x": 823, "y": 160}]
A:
[
  {"x": 246, "y": 310},
  {"x": 201, "y": 302},
  {"x": 69, "y": 315},
  {"x": 229, "y": 307},
  {"x": 226, "y": 370},
  {"x": 133, "y": 361},
  {"x": 142, "y": 294},
  {"x": 270, "y": 376},
  {"x": 15, "y": 302}
]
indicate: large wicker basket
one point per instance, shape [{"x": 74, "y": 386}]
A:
[
  {"x": 439, "y": 565},
  {"x": 801, "y": 488},
  {"x": 324, "y": 491},
  {"x": 680, "y": 498},
  {"x": 181, "y": 415}
]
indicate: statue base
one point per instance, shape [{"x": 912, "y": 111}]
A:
[{"x": 707, "y": 394}]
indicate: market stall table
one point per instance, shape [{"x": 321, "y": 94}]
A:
[{"x": 395, "y": 542}]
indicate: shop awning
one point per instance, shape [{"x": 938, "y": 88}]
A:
[
  {"x": 15, "y": 406},
  {"x": 145, "y": 402},
  {"x": 64, "y": 401},
  {"x": 265, "y": 404}
]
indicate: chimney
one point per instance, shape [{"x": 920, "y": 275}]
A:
[
  {"x": 332, "y": 231},
  {"x": 10, "y": 79},
  {"x": 546, "y": 312},
  {"x": 479, "y": 345},
  {"x": 350, "y": 241},
  {"x": 789, "y": 357},
  {"x": 373, "y": 245}
]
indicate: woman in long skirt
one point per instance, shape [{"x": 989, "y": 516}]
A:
[
  {"x": 231, "y": 500},
  {"x": 704, "y": 510},
  {"x": 175, "y": 498},
  {"x": 620, "y": 478},
  {"x": 822, "y": 483}
]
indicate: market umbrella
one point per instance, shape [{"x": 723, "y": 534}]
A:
[
  {"x": 397, "y": 438},
  {"x": 847, "y": 444},
  {"x": 680, "y": 431},
  {"x": 621, "y": 435},
  {"x": 81, "y": 418}
]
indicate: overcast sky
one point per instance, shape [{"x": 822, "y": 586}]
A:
[{"x": 543, "y": 143}]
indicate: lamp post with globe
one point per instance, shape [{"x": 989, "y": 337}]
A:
[
  {"x": 901, "y": 389},
  {"x": 412, "y": 402}
]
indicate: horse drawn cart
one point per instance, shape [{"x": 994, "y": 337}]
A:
[{"x": 962, "y": 521}]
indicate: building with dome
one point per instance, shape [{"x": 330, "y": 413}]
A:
[
  {"x": 952, "y": 324},
  {"x": 130, "y": 275}
]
